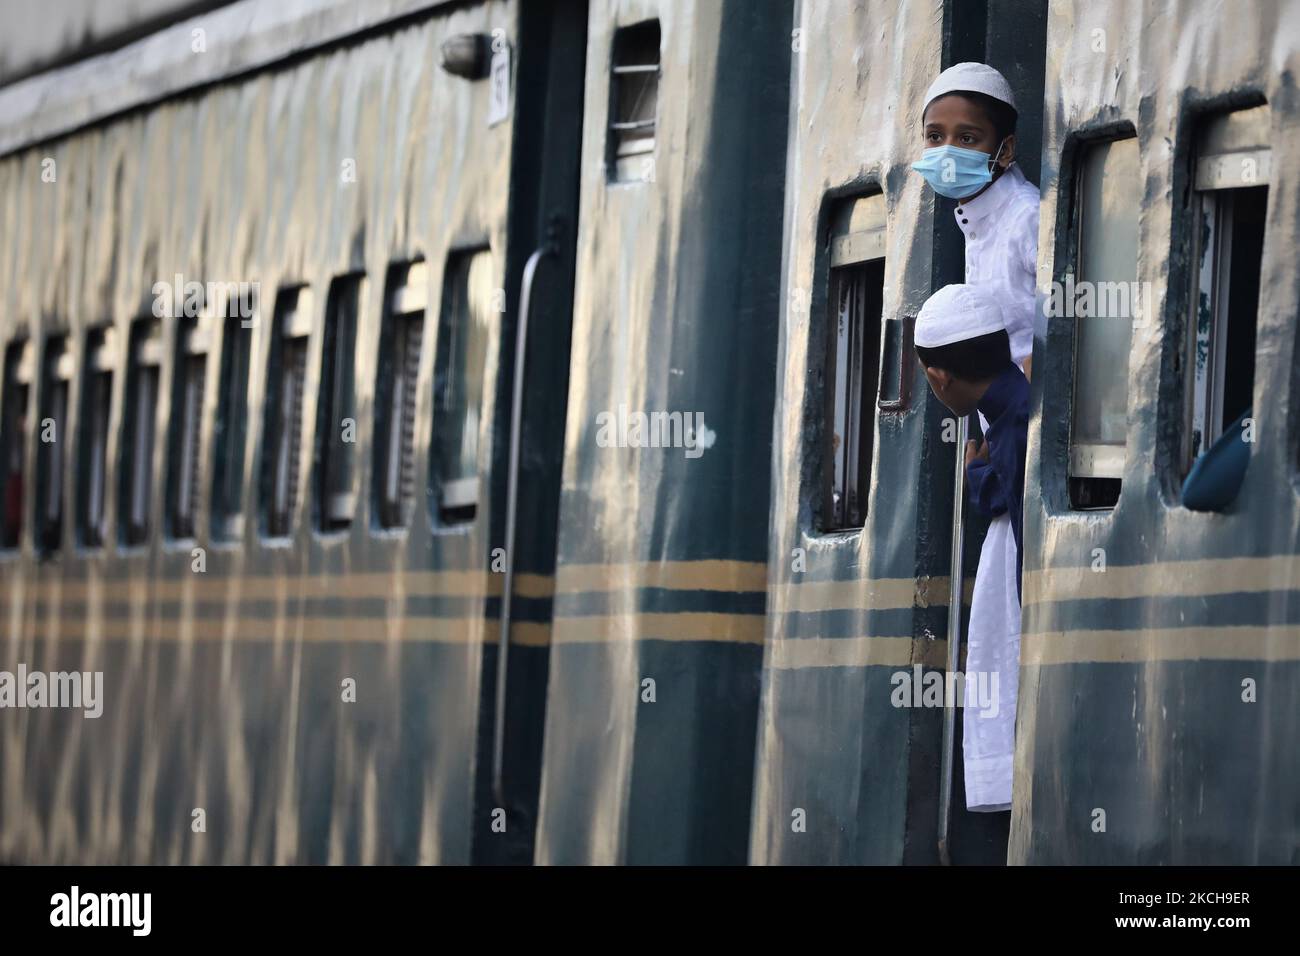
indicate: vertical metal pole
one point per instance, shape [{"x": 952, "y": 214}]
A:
[
  {"x": 954, "y": 643},
  {"x": 512, "y": 504}
]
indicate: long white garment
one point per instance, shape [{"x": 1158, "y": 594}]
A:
[
  {"x": 992, "y": 666},
  {"x": 1001, "y": 229}
]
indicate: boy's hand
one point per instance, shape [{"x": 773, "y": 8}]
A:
[{"x": 972, "y": 452}]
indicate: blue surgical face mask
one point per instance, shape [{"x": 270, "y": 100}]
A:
[{"x": 956, "y": 172}]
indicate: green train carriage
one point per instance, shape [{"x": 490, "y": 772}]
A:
[{"x": 571, "y": 649}]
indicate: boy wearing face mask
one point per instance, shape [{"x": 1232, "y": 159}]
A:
[{"x": 969, "y": 130}]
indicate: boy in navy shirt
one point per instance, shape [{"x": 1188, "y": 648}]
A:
[{"x": 961, "y": 341}]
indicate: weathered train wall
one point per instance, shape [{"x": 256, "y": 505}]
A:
[
  {"x": 222, "y": 688},
  {"x": 836, "y": 761},
  {"x": 45, "y": 35},
  {"x": 1132, "y": 698},
  {"x": 662, "y": 556}
]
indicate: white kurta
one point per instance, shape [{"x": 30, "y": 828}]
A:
[{"x": 1001, "y": 229}]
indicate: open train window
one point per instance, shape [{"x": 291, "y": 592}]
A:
[
  {"x": 855, "y": 305},
  {"x": 92, "y": 457},
  {"x": 1103, "y": 305},
  {"x": 405, "y": 300},
  {"x": 463, "y": 331},
  {"x": 18, "y": 369},
  {"x": 286, "y": 371},
  {"x": 188, "y": 383},
  {"x": 56, "y": 374},
  {"x": 144, "y": 363},
  {"x": 230, "y": 427},
  {"x": 634, "y": 102},
  {"x": 1228, "y": 203},
  {"x": 336, "y": 414}
]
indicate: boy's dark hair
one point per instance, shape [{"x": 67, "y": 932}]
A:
[
  {"x": 973, "y": 360},
  {"x": 1001, "y": 115}
]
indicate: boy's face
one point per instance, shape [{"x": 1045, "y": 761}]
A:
[
  {"x": 954, "y": 120},
  {"x": 960, "y": 396}
]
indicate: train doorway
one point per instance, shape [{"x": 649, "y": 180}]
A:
[{"x": 528, "y": 442}]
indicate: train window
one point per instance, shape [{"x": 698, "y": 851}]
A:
[
  {"x": 634, "y": 101},
  {"x": 463, "y": 332},
  {"x": 1229, "y": 200},
  {"x": 282, "y": 432},
  {"x": 13, "y": 440},
  {"x": 188, "y": 382},
  {"x": 336, "y": 420},
  {"x": 144, "y": 361},
  {"x": 56, "y": 373},
  {"x": 92, "y": 459},
  {"x": 855, "y": 302},
  {"x": 1108, "y": 196},
  {"x": 230, "y": 427},
  {"x": 405, "y": 301}
]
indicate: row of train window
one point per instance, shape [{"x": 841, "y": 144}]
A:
[
  {"x": 867, "y": 362},
  {"x": 1227, "y": 200},
  {"x": 452, "y": 488}
]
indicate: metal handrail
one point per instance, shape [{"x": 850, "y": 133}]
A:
[{"x": 512, "y": 504}]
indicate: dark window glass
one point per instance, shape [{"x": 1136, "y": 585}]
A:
[
  {"x": 463, "y": 331},
  {"x": 13, "y": 440},
  {"x": 634, "y": 102},
  {"x": 92, "y": 463},
  {"x": 52, "y": 429},
  {"x": 188, "y": 384},
  {"x": 1229, "y": 203},
  {"x": 856, "y": 304},
  {"x": 395, "y": 393},
  {"x": 139, "y": 423},
  {"x": 1108, "y": 197},
  {"x": 282, "y": 435},
  {"x": 336, "y": 420},
  {"x": 230, "y": 428}
]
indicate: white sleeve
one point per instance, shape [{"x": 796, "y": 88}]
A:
[
  {"x": 1022, "y": 322},
  {"x": 1029, "y": 242}
]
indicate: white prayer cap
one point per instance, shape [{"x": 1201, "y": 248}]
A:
[
  {"x": 956, "y": 313},
  {"x": 971, "y": 78}
]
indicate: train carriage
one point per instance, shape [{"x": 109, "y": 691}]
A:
[
  {"x": 1159, "y": 662},
  {"x": 283, "y": 568},
  {"x": 658, "y": 630},
  {"x": 861, "y": 531},
  {"x": 489, "y": 432}
]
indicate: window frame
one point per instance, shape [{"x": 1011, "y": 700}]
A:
[
  {"x": 231, "y": 424},
  {"x": 619, "y": 158},
  {"x": 56, "y": 370},
  {"x": 334, "y": 496},
  {"x": 462, "y": 510},
  {"x": 19, "y": 371},
  {"x": 281, "y": 466},
  {"x": 406, "y": 304},
  {"x": 100, "y": 358},
  {"x": 857, "y": 246},
  {"x": 193, "y": 348},
  {"x": 144, "y": 350},
  {"x": 1089, "y": 461},
  {"x": 1221, "y": 142}
]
